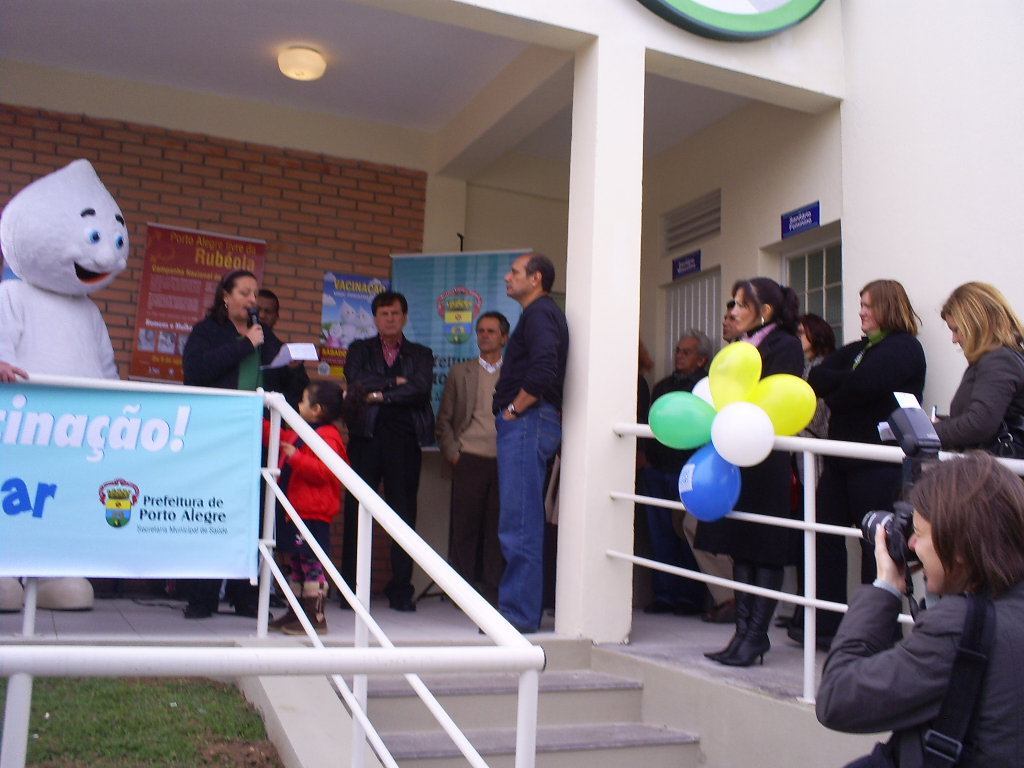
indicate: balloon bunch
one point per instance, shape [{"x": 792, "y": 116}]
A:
[{"x": 734, "y": 414}]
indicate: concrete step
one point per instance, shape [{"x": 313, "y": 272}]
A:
[
  {"x": 602, "y": 745},
  {"x": 567, "y": 697}
]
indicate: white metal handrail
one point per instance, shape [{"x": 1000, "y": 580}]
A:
[
  {"x": 810, "y": 448},
  {"x": 511, "y": 652}
]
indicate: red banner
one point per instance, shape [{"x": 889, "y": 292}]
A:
[{"x": 179, "y": 278}]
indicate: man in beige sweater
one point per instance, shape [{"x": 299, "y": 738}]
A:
[{"x": 468, "y": 440}]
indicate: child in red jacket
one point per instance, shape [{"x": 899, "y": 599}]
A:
[{"x": 315, "y": 493}]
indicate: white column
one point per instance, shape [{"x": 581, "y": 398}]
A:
[{"x": 594, "y": 593}]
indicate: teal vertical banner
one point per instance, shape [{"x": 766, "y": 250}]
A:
[
  {"x": 447, "y": 292},
  {"x": 128, "y": 482}
]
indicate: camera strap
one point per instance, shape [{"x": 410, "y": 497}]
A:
[{"x": 944, "y": 741}]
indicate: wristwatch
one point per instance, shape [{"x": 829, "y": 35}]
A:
[{"x": 511, "y": 410}]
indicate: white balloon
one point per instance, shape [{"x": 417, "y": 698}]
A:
[
  {"x": 702, "y": 389},
  {"x": 743, "y": 434}
]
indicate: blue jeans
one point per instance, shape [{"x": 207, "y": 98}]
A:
[
  {"x": 525, "y": 446},
  {"x": 668, "y": 547}
]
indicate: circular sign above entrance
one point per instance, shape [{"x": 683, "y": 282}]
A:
[{"x": 733, "y": 20}]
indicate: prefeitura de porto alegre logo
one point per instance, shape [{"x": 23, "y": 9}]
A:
[
  {"x": 118, "y": 497},
  {"x": 458, "y": 308}
]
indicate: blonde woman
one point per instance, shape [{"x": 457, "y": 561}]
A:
[{"x": 991, "y": 391}]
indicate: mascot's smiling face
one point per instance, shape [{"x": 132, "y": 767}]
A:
[{"x": 65, "y": 233}]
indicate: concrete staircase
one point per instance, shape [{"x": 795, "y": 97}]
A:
[{"x": 586, "y": 719}]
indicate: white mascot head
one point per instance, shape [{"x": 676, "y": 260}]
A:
[{"x": 64, "y": 232}]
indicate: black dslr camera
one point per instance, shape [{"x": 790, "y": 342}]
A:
[
  {"x": 914, "y": 432},
  {"x": 898, "y": 526}
]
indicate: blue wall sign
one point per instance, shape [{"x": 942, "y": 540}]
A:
[
  {"x": 687, "y": 264},
  {"x": 802, "y": 219}
]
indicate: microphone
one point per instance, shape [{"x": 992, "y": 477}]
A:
[{"x": 254, "y": 315}]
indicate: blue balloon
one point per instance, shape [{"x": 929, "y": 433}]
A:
[{"x": 709, "y": 485}]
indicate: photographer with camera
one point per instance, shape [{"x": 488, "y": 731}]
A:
[{"x": 967, "y": 531}]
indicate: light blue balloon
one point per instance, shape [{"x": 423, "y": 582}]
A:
[{"x": 709, "y": 485}]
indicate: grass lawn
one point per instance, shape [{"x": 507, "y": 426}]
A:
[{"x": 143, "y": 723}]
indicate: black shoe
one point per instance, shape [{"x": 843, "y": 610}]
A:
[
  {"x": 750, "y": 649},
  {"x": 249, "y": 611},
  {"x": 405, "y": 605},
  {"x": 729, "y": 649},
  {"x": 659, "y": 606},
  {"x": 796, "y": 634},
  {"x": 197, "y": 612}
]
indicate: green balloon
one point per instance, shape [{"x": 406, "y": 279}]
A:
[{"x": 681, "y": 420}]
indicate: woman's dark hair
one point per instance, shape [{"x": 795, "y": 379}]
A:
[
  {"x": 353, "y": 404},
  {"x": 217, "y": 310},
  {"x": 328, "y": 396},
  {"x": 781, "y": 298},
  {"x": 975, "y": 507},
  {"x": 819, "y": 333}
]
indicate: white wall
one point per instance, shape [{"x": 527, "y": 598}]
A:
[
  {"x": 520, "y": 202},
  {"x": 766, "y": 160},
  {"x": 933, "y": 157}
]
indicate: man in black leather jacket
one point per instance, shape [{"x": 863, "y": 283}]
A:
[{"x": 392, "y": 377}]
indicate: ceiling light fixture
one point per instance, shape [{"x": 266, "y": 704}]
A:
[{"x": 301, "y": 63}]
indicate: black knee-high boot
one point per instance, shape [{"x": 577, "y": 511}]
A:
[
  {"x": 754, "y": 643},
  {"x": 743, "y": 572}
]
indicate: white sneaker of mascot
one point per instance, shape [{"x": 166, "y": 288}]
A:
[{"x": 65, "y": 237}]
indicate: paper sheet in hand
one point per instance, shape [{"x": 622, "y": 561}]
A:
[{"x": 289, "y": 353}]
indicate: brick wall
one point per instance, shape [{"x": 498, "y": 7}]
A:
[{"x": 316, "y": 213}]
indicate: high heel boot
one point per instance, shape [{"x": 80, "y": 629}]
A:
[
  {"x": 742, "y": 572},
  {"x": 755, "y": 643}
]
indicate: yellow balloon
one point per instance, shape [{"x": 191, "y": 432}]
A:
[
  {"x": 788, "y": 400},
  {"x": 734, "y": 372}
]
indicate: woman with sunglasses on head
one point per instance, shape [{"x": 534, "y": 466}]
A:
[{"x": 765, "y": 315}]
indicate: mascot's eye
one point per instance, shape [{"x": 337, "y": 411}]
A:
[
  {"x": 119, "y": 242},
  {"x": 94, "y": 236}
]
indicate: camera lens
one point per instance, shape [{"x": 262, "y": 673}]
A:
[{"x": 870, "y": 524}]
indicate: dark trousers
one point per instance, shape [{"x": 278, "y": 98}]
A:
[
  {"x": 846, "y": 491},
  {"x": 392, "y": 459},
  {"x": 205, "y": 593},
  {"x": 668, "y": 547},
  {"x": 474, "y": 550}
]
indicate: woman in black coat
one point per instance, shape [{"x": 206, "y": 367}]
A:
[
  {"x": 227, "y": 350},
  {"x": 857, "y": 384},
  {"x": 992, "y": 390},
  {"x": 765, "y": 315}
]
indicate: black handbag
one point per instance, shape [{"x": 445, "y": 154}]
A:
[
  {"x": 944, "y": 743},
  {"x": 1009, "y": 440}
]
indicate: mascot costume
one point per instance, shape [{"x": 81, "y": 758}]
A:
[{"x": 65, "y": 237}]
